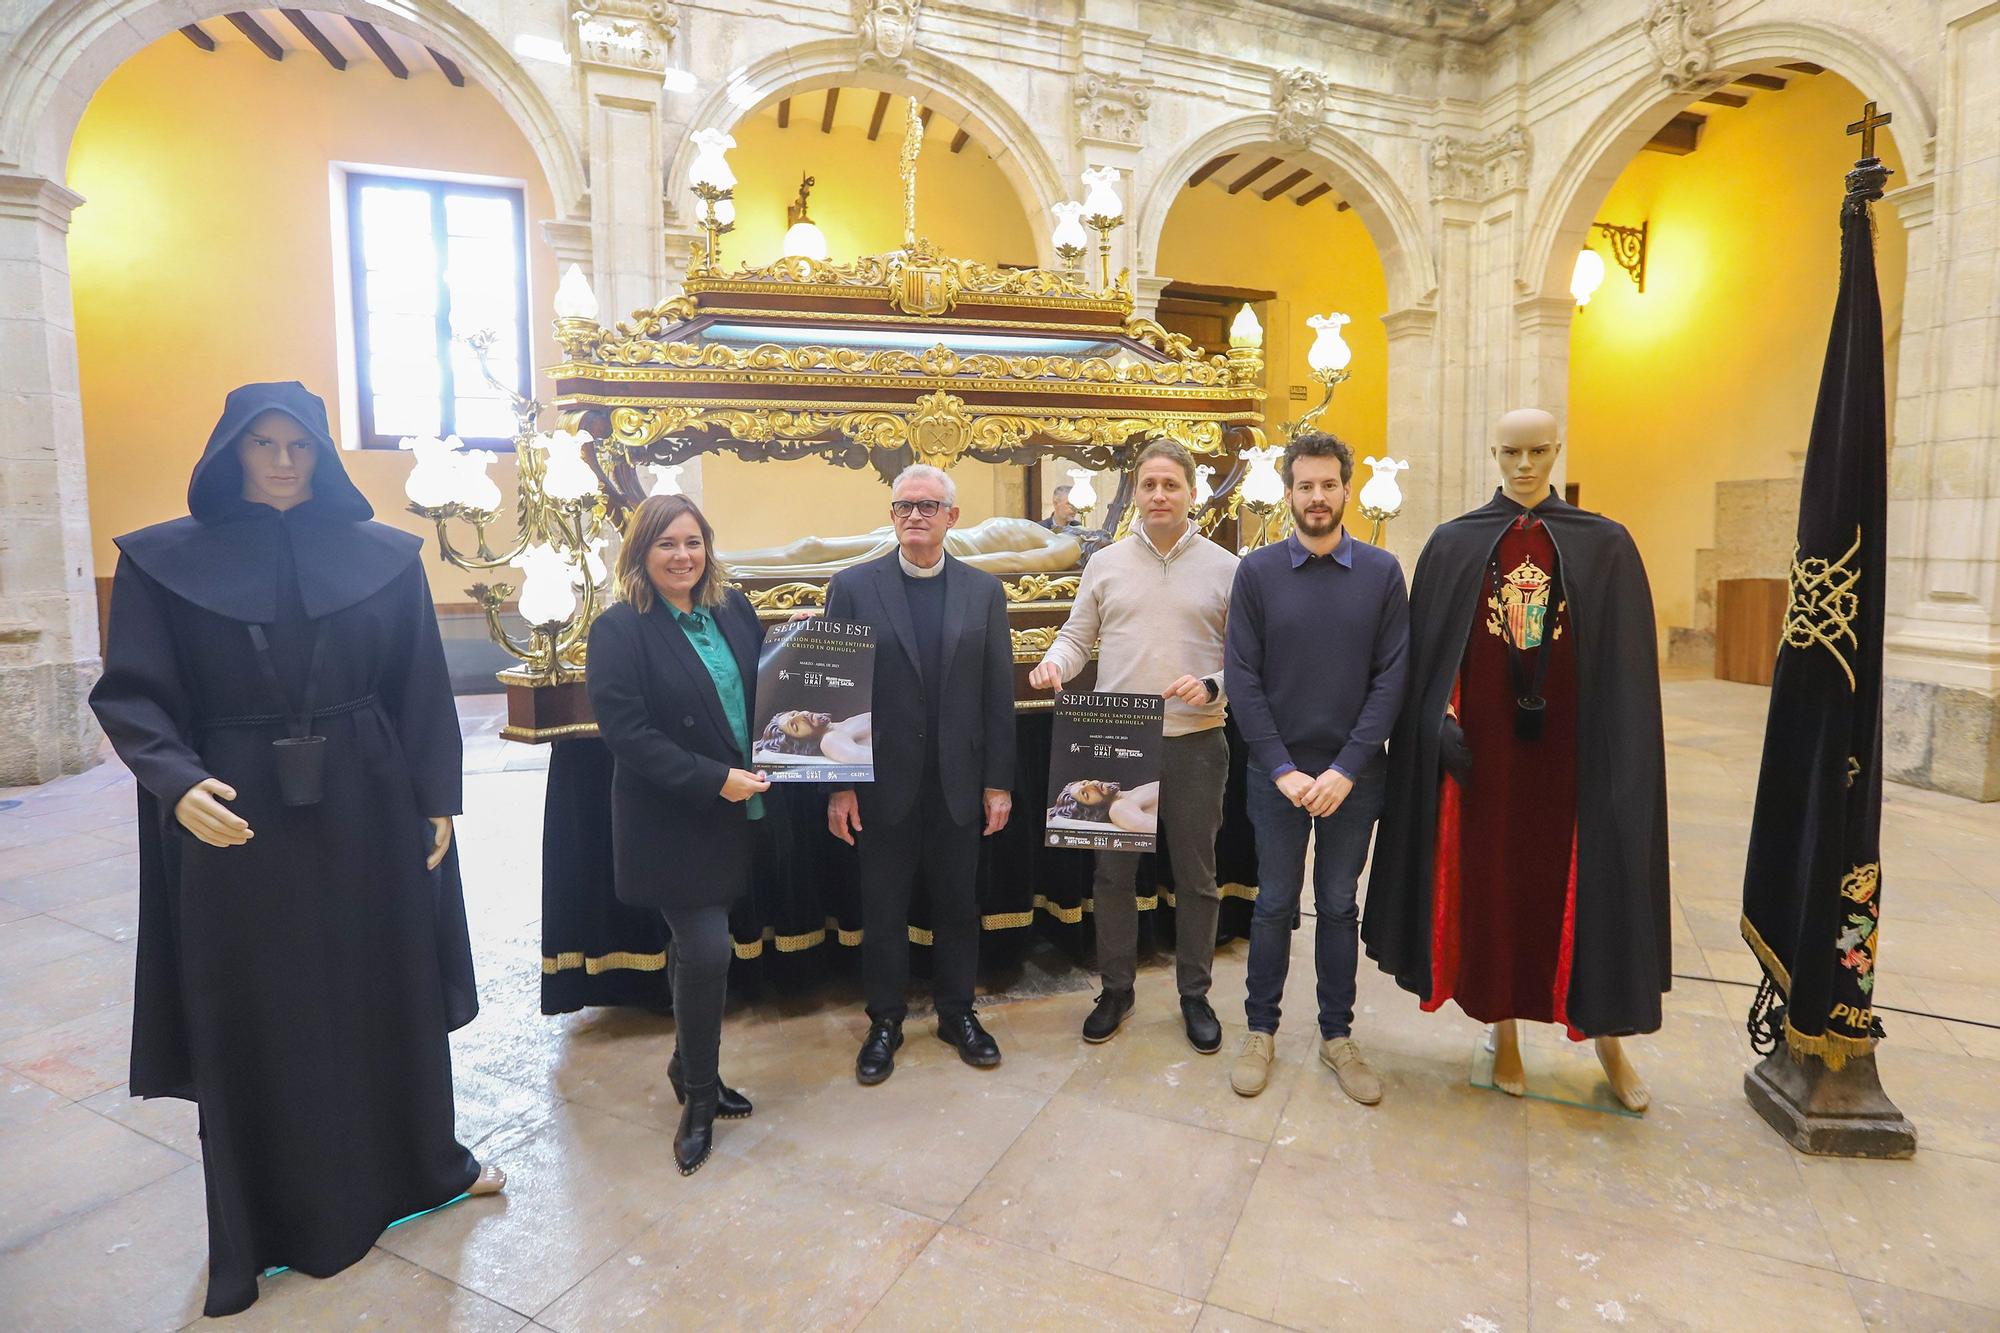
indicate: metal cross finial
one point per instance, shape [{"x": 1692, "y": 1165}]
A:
[{"x": 1866, "y": 127}]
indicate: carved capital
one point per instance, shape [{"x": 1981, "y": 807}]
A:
[
  {"x": 1299, "y": 97},
  {"x": 1678, "y": 31},
  {"x": 1476, "y": 171},
  {"x": 1111, "y": 109},
  {"x": 623, "y": 34},
  {"x": 887, "y": 31}
]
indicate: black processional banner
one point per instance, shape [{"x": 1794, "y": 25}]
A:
[
  {"x": 1812, "y": 884},
  {"x": 814, "y": 682},
  {"x": 1104, "y": 772}
]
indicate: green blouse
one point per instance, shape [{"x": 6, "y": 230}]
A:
[{"x": 709, "y": 644}]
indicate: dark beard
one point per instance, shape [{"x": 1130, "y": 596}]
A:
[{"x": 1299, "y": 522}]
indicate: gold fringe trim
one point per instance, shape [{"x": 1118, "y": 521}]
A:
[
  {"x": 812, "y": 939},
  {"x": 1833, "y": 1048},
  {"x": 1773, "y": 969}
]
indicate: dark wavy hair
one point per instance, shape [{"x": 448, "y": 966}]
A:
[{"x": 1318, "y": 444}]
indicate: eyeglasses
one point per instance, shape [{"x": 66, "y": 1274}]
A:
[{"x": 905, "y": 508}]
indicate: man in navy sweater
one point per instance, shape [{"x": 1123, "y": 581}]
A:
[{"x": 1319, "y": 633}]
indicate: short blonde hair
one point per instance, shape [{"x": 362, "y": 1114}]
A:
[{"x": 654, "y": 516}]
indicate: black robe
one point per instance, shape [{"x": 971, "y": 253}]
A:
[
  {"x": 1623, "y": 948},
  {"x": 297, "y": 988}
]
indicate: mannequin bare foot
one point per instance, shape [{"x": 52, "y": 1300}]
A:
[
  {"x": 1508, "y": 1075},
  {"x": 491, "y": 1181},
  {"x": 1626, "y": 1084}
]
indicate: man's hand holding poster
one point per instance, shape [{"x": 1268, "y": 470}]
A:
[
  {"x": 814, "y": 682},
  {"x": 1104, "y": 772}
]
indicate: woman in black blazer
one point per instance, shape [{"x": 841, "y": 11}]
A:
[{"x": 673, "y": 670}]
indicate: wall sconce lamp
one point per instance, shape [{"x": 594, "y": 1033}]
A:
[
  {"x": 1628, "y": 249},
  {"x": 804, "y": 239}
]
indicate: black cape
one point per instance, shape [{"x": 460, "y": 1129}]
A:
[
  {"x": 1623, "y": 951},
  {"x": 299, "y": 988}
]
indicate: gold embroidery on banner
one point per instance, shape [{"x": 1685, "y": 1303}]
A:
[
  {"x": 1520, "y": 606},
  {"x": 1824, "y": 604}
]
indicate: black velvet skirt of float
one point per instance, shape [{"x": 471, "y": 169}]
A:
[{"x": 801, "y": 921}]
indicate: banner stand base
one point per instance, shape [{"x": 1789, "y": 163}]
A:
[{"x": 1829, "y": 1113}]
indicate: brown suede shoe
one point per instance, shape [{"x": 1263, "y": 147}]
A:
[
  {"x": 1357, "y": 1080},
  {"x": 1253, "y": 1065}
]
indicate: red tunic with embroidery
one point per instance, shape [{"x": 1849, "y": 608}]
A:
[{"x": 1504, "y": 892}]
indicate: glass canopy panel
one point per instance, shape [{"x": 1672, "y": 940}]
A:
[{"x": 965, "y": 342}]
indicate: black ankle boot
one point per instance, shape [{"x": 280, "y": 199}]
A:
[
  {"x": 729, "y": 1103},
  {"x": 695, "y": 1138}
]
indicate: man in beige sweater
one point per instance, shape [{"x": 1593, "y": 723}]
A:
[{"x": 1156, "y": 607}]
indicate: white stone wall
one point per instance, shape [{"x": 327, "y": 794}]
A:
[{"x": 1476, "y": 165}]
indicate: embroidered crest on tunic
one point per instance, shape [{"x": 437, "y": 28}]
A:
[{"x": 1520, "y": 606}]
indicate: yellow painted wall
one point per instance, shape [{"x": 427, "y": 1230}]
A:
[
  {"x": 1317, "y": 260},
  {"x": 1711, "y": 374},
  {"x": 203, "y": 258},
  {"x": 964, "y": 204}
]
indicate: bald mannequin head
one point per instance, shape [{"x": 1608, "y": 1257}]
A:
[{"x": 1525, "y": 445}]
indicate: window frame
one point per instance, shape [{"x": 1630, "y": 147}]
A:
[{"x": 436, "y": 188}]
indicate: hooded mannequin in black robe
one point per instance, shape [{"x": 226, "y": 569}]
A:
[
  {"x": 297, "y": 987},
  {"x": 1616, "y": 943}
]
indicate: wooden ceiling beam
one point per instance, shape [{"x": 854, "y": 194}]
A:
[
  {"x": 1804, "y": 67},
  {"x": 924, "y": 116},
  {"x": 1209, "y": 168},
  {"x": 447, "y": 67},
  {"x": 1285, "y": 184},
  {"x": 201, "y": 39},
  {"x": 1679, "y": 136},
  {"x": 1251, "y": 175},
  {"x": 881, "y": 110},
  {"x": 1727, "y": 99},
  {"x": 784, "y": 113},
  {"x": 379, "y": 44},
  {"x": 1770, "y": 83},
  {"x": 260, "y": 39},
  {"x": 1342, "y": 206},
  {"x": 958, "y": 140},
  {"x": 826, "y": 116},
  {"x": 1312, "y": 194},
  {"x": 317, "y": 39}
]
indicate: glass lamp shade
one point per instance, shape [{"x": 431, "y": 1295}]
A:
[
  {"x": 806, "y": 241},
  {"x": 1587, "y": 276},
  {"x": 725, "y": 212},
  {"x": 433, "y": 482},
  {"x": 1261, "y": 484},
  {"x": 547, "y": 594},
  {"x": 593, "y": 561},
  {"x": 1069, "y": 232},
  {"x": 1381, "y": 494},
  {"x": 1244, "y": 330},
  {"x": 1202, "y": 487},
  {"x": 476, "y": 490},
  {"x": 1329, "y": 351},
  {"x": 1080, "y": 493},
  {"x": 666, "y": 479},
  {"x": 711, "y": 166},
  {"x": 1101, "y": 193},
  {"x": 566, "y": 476},
  {"x": 574, "y": 299}
]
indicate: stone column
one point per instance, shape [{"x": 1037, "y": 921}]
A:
[
  {"x": 1942, "y": 705},
  {"x": 1416, "y": 431},
  {"x": 48, "y": 600}
]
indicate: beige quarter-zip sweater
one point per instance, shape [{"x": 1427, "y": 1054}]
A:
[{"x": 1153, "y": 618}]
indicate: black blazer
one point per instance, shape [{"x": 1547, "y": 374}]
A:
[
  {"x": 976, "y": 696},
  {"x": 675, "y": 841}
]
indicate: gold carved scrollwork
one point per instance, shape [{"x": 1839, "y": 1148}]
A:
[
  {"x": 939, "y": 429},
  {"x": 1030, "y": 645},
  {"x": 936, "y": 362},
  {"x": 1824, "y": 604},
  {"x": 1041, "y": 587},
  {"x": 788, "y": 596}
]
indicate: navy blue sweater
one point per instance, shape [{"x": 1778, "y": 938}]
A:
[{"x": 1318, "y": 652}]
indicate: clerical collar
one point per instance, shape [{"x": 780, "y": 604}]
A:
[
  {"x": 918, "y": 571},
  {"x": 1342, "y": 554}
]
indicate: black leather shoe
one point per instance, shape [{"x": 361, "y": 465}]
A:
[
  {"x": 729, "y": 1103},
  {"x": 975, "y": 1044},
  {"x": 878, "y": 1052},
  {"x": 695, "y": 1138},
  {"x": 1204, "y": 1032},
  {"x": 1113, "y": 1008}
]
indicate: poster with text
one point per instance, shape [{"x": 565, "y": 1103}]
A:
[
  {"x": 815, "y": 681},
  {"x": 1104, "y": 772}
]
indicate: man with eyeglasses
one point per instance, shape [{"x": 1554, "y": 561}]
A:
[
  {"x": 943, "y": 720},
  {"x": 1155, "y": 605}
]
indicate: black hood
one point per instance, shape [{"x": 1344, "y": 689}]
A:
[
  {"x": 225, "y": 556},
  {"x": 215, "y": 491}
]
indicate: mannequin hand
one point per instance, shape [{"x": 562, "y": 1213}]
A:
[
  {"x": 1045, "y": 677},
  {"x": 1191, "y": 690},
  {"x": 1294, "y": 786},
  {"x": 201, "y": 812},
  {"x": 1328, "y": 790},
  {"x": 843, "y": 816},
  {"x": 741, "y": 784},
  {"x": 440, "y": 841},
  {"x": 999, "y": 804}
]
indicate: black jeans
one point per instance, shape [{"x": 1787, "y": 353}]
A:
[
  {"x": 698, "y": 971},
  {"x": 926, "y": 844},
  {"x": 1341, "y": 848}
]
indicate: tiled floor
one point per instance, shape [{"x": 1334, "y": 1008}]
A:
[{"x": 1122, "y": 1186}]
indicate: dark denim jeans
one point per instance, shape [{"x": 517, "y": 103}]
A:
[{"x": 1340, "y": 850}]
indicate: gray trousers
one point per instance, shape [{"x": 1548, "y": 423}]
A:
[{"x": 1193, "y": 771}]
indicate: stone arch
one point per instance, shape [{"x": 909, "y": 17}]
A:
[
  {"x": 1392, "y": 222},
  {"x": 56, "y": 65},
  {"x": 1637, "y": 112},
  {"x": 956, "y": 92}
]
